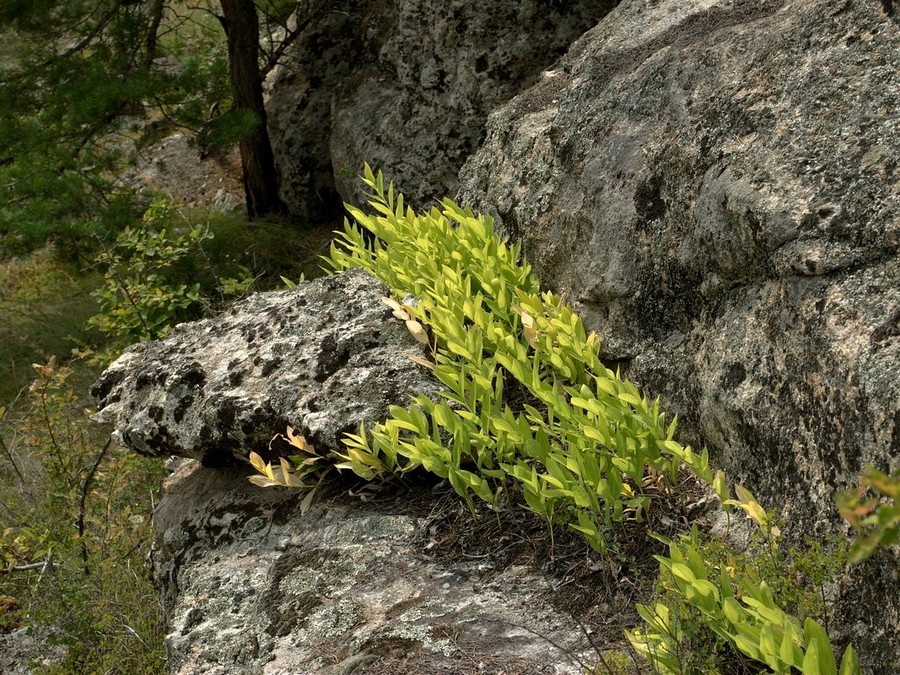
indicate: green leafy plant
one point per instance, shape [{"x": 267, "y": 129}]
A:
[
  {"x": 144, "y": 296},
  {"x": 137, "y": 299},
  {"x": 719, "y": 608},
  {"x": 876, "y": 519},
  {"x": 74, "y": 520},
  {"x": 526, "y": 396},
  {"x": 529, "y": 411},
  {"x": 527, "y": 399},
  {"x": 305, "y": 464}
]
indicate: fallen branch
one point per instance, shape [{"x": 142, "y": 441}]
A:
[{"x": 30, "y": 566}]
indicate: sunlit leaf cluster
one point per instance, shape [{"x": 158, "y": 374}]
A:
[
  {"x": 20, "y": 547},
  {"x": 733, "y": 608}
]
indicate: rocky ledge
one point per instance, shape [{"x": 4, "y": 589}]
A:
[
  {"x": 267, "y": 581},
  {"x": 255, "y": 583},
  {"x": 321, "y": 357}
]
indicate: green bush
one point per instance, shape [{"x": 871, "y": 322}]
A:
[
  {"x": 722, "y": 611},
  {"x": 529, "y": 409},
  {"x": 145, "y": 294},
  {"x": 526, "y": 400}
]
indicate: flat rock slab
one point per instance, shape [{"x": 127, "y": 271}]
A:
[
  {"x": 321, "y": 357},
  {"x": 252, "y": 585}
]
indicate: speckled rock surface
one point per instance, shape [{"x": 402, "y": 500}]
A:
[
  {"x": 25, "y": 651},
  {"x": 405, "y": 85},
  {"x": 714, "y": 184},
  {"x": 252, "y": 586},
  {"x": 321, "y": 357},
  {"x": 252, "y": 581}
]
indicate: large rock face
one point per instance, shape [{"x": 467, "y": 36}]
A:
[
  {"x": 405, "y": 85},
  {"x": 321, "y": 357},
  {"x": 715, "y": 185}
]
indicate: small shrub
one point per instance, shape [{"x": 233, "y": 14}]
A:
[
  {"x": 722, "y": 611},
  {"x": 145, "y": 294},
  {"x": 876, "y": 519},
  {"x": 526, "y": 396},
  {"x": 137, "y": 301},
  {"x": 529, "y": 409},
  {"x": 76, "y": 527}
]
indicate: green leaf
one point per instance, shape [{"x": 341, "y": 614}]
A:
[
  {"x": 445, "y": 417},
  {"x": 819, "y": 654},
  {"x": 811, "y": 663},
  {"x": 769, "y": 648},
  {"x": 733, "y": 610},
  {"x": 850, "y": 662},
  {"x": 705, "y": 596},
  {"x": 789, "y": 652},
  {"x": 747, "y": 641},
  {"x": 720, "y": 487},
  {"x": 684, "y": 572}
]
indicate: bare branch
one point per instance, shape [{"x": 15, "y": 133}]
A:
[
  {"x": 30, "y": 566},
  {"x": 291, "y": 36},
  {"x": 85, "y": 488}
]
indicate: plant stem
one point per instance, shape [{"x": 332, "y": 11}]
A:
[{"x": 82, "y": 507}]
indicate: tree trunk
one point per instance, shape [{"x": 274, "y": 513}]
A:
[
  {"x": 257, "y": 160},
  {"x": 157, "y": 7}
]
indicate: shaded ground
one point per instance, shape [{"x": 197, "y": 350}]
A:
[{"x": 175, "y": 166}]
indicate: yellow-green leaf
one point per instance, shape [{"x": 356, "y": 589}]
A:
[
  {"x": 850, "y": 662},
  {"x": 399, "y": 310}
]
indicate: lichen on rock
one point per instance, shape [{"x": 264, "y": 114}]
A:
[
  {"x": 253, "y": 585},
  {"x": 405, "y": 85},
  {"x": 321, "y": 357},
  {"x": 726, "y": 172}
]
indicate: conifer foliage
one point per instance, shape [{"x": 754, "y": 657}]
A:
[
  {"x": 68, "y": 71},
  {"x": 85, "y": 84}
]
